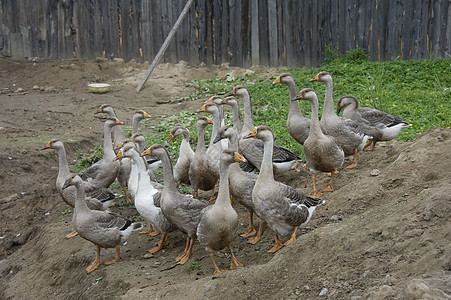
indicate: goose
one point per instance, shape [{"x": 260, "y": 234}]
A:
[
  {"x": 252, "y": 150},
  {"x": 152, "y": 164},
  {"x": 380, "y": 125},
  {"x": 181, "y": 210},
  {"x": 218, "y": 222},
  {"x": 349, "y": 134},
  {"x": 298, "y": 126},
  {"x": 118, "y": 133},
  {"x": 322, "y": 152},
  {"x": 201, "y": 174},
  {"x": 186, "y": 155},
  {"x": 97, "y": 197},
  {"x": 147, "y": 198},
  {"x": 214, "y": 150},
  {"x": 219, "y": 120},
  {"x": 281, "y": 206},
  {"x": 241, "y": 184},
  {"x": 125, "y": 164},
  {"x": 105, "y": 171},
  {"x": 104, "y": 229}
]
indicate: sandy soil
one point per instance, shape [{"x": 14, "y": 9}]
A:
[{"x": 378, "y": 237}]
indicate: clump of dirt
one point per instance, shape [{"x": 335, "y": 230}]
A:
[{"x": 382, "y": 235}]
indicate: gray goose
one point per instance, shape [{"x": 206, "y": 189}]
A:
[
  {"x": 322, "y": 152},
  {"x": 252, "y": 150},
  {"x": 97, "y": 197},
  {"x": 380, "y": 125},
  {"x": 282, "y": 207},
  {"x": 348, "y": 133},
  {"x": 201, "y": 174},
  {"x": 118, "y": 133},
  {"x": 186, "y": 155},
  {"x": 104, "y": 229},
  {"x": 181, "y": 210},
  {"x": 218, "y": 222},
  {"x": 241, "y": 184},
  {"x": 105, "y": 171},
  {"x": 298, "y": 126}
]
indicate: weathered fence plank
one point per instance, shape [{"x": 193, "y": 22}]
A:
[{"x": 271, "y": 32}]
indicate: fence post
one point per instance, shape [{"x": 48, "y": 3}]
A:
[{"x": 165, "y": 45}]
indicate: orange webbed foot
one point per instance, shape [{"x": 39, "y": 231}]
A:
[
  {"x": 163, "y": 242},
  {"x": 254, "y": 240},
  {"x": 249, "y": 233},
  {"x": 327, "y": 188},
  {"x": 72, "y": 234},
  {"x": 93, "y": 266},
  {"x": 316, "y": 194},
  {"x": 275, "y": 248},
  {"x": 218, "y": 271},
  {"x": 234, "y": 263}
]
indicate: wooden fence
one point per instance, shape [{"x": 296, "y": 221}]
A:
[{"x": 243, "y": 33}]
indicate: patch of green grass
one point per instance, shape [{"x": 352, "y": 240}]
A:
[
  {"x": 194, "y": 267},
  {"x": 85, "y": 161}
]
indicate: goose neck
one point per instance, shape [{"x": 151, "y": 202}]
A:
[
  {"x": 329, "y": 98},
  {"x": 294, "y": 108},
  {"x": 63, "y": 166},
  {"x": 266, "y": 166},
  {"x": 108, "y": 151}
]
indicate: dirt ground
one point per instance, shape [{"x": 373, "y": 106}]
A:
[{"x": 383, "y": 234}]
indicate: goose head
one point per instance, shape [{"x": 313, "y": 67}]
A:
[
  {"x": 156, "y": 150},
  {"x": 178, "y": 131},
  {"x": 140, "y": 115},
  {"x": 230, "y": 100},
  {"x": 111, "y": 122},
  {"x": 204, "y": 121},
  {"x": 127, "y": 150},
  {"x": 53, "y": 144},
  {"x": 72, "y": 179},
  {"x": 214, "y": 99},
  {"x": 223, "y": 133},
  {"x": 261, "y": 132},
  {"x": 229, "y": 156},
  {"x": 138, "y": 138},
  {"x": 322, "y": 77},
  {"x": 306, "y": 94},
  {"x": 284, "y": 78},
  {"x": 346, "y": 101},
  {"x": 209, "y": 107},
  {"x": 239, "y": 90},
  {"x": 106, "y": 108}
]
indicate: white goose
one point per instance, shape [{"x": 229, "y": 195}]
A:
[{"x": 147, "y": 198}]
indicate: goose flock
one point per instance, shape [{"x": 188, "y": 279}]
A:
[{"x": 239, "y": 163}]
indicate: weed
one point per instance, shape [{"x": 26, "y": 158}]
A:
[{"x": 194, "y": 267}]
